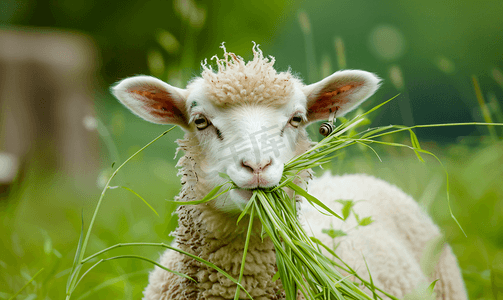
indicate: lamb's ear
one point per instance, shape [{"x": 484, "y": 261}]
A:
[
  {"x": 342, "y": 91},
  {"x": 153, "y": 100}
]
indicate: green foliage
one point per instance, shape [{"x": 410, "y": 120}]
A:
[
  {"x": 347, "y": 205},
  {"x": 333, "y": 233}
]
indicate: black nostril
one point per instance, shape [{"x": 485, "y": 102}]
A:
[
  {"x": 267, "y": 163},
  {"x": 248, "y": 166}
]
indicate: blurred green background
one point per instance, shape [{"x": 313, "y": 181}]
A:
[{"x": 428, "y": 51}]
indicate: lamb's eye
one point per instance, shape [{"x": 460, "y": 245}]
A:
[
  {"x": 295, "y": 121},
  {"x": 201, "y": 122}
]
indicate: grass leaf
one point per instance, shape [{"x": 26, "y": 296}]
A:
[
  {"x": 333, "y": 233},
  {"x": 311, "y": 199},
  {"x": 210, "y": 196},
  {"x": 431, "y": 287},
  {"x": 347, "y": 205},
  {"x": 142, "y": 199},
  {"x": 245, "y": 250},
  {"x": 26, "y": 284},
  {"x": 365, "y": 221}
]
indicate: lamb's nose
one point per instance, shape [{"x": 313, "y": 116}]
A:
[{"x": 256, "y": 167}]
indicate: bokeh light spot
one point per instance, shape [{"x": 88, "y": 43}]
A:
[
  {"x": 387, "y": 42},
  {"x": 445, "y": 65}
]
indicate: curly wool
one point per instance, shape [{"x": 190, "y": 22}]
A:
[
  {"x": 255, "y": 81},
  {"x": 393, "y": 245},
  {"x": 224, "y": 249}
]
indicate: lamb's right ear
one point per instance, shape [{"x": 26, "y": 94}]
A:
[{"x": 153, "y": 100}]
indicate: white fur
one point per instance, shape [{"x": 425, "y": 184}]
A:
[
  {"x": 257, "y": 119},
  {"x": 393, "y": 244}
]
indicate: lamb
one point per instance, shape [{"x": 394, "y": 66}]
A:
[{"x": 247, "y": 120}]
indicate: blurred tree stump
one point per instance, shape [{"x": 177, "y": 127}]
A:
[{"x": 47, "y": 86}]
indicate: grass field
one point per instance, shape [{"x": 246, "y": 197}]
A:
[{"x": 41, "y": 218}]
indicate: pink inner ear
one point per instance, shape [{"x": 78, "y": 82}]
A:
[
  {"x": 328, "y": 100},
  {"x": 160, "y": 105}
]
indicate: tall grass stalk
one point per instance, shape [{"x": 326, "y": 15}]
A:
[
  {"x": 340, "y": 53},
  {"x": 495, "y": 107},
  {"x": 26, "y": 284},
  {"x": 73, "y": 279},
  {"x": 305, "y": 26},
  {"x": 483, "y": 107}
]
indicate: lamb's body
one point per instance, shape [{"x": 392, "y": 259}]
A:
[
  {"x": 392, "y": 245},
  {"x": 247, "y": 121}
]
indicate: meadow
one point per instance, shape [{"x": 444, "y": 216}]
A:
[
  {"x": 43, "y": 234},
  {"x": 43, "y": 214}
]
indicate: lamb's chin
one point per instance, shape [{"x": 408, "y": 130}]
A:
[{"x": 234, "y": 201}]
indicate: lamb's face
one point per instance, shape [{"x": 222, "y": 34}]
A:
[
  {"x": 248, "y": 142},
  {"x": 247, "y": 125}
]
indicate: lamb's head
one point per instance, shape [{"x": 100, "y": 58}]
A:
[{"x": 246, "y": 119}]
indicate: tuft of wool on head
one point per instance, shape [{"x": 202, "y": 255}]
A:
[{"x": 252, "y": 82}]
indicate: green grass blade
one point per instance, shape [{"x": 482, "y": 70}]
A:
[
  {"x": 372, "y": 286},
  {"x": 110, "y": 282},
  {"x": 431, "y": 287},
  {"x": 86, "y": 240},
  {"x": 247, "y": 208},
  {"x": 83, "y": 245},
  {"x": 379, "y": 106},
  {"x": 210, "y": 196},
  {"x": 245, "y": 250},
  {"x": 26, "y": 284},
  {"x": 137, "y": 195},
  {"x": 312, "y": 199},
  {"x": 76, "y": 265},
  {"x": 152, "y": 262},
  {"x": 483, "y": 107},
  {"x": 209, "y": 264}
]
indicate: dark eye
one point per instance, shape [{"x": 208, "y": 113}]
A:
[
  {"x": 201, "y": 122},
  {"x": 295, "y": 121}
]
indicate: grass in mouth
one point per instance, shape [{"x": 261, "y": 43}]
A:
[{"x": 301, "y": 265}]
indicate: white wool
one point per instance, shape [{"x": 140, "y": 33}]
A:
[
  {"x": 256, "y": 81},
  {"x": 393, "y": 244}
]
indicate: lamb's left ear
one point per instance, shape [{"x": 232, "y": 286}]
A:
[
  {"x": 342, "y": 91},
  {"x": 153, "y": 100}
]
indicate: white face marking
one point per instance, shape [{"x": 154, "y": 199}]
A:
[{"x": 250, "y": 143}]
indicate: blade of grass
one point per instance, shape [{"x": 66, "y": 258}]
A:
[
  {"x": 312, "y": 199},
  {"x": 137, "y": 195},
  {"x": 245, "y": 250},
  {"x": 76, "y": 271},
  {"x": 483, "y": 107},
  {"x": 110, "y": 282},
  {"x": 26, "y": 284},
  {"x": 247, "y": 208},
  {"x": 372, "y": 286},
  {"x": 210, "y": 196},
  {"x": 197, "y": 258}
]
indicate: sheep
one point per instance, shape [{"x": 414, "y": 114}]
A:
[{"x": 247, "y": 120}]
